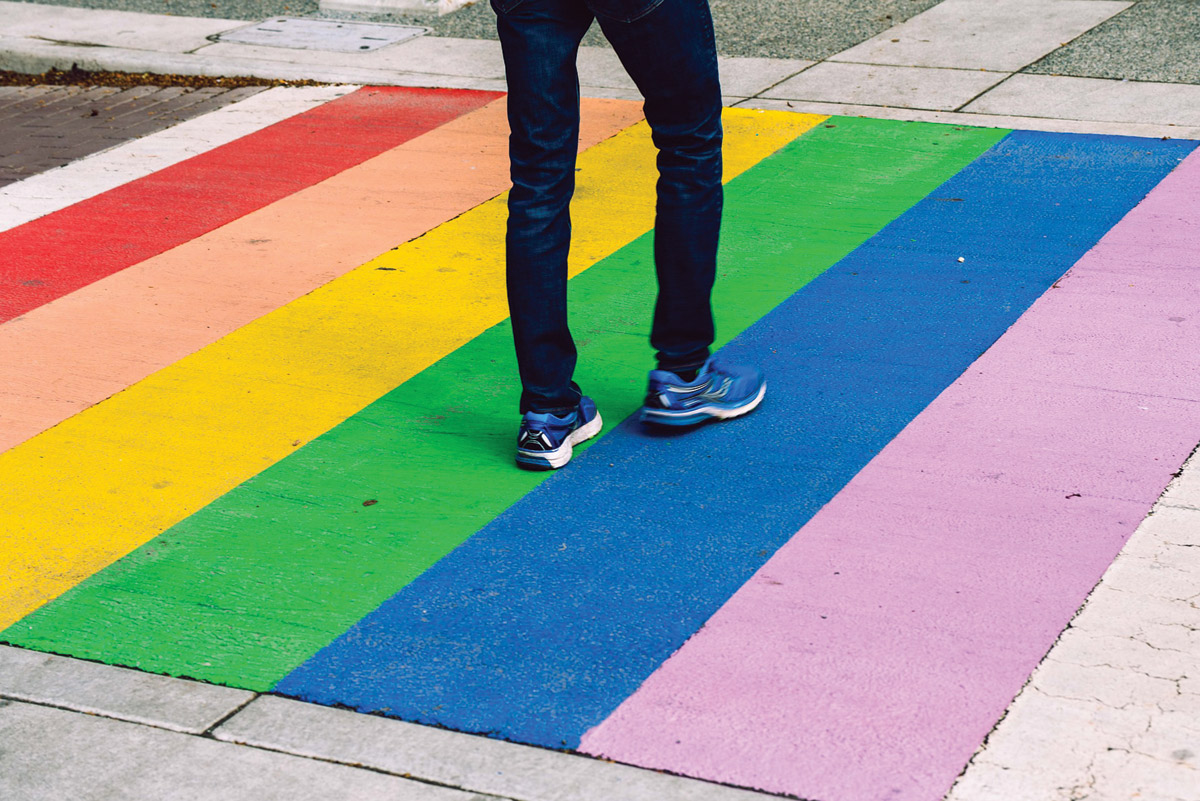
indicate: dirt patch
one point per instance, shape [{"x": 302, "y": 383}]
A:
[{"x": 125, "y": 80}]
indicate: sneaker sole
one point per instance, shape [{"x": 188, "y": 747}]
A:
[
  {"x": 693, "y": 416},
  {"x": 552, "y": 460}
]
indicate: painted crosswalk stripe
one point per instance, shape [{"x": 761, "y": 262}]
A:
[
  {"x": 904, "y": 617},
  {"x": 121, "y": 472},
  {"x": 54, "y": 255},
  {"x": 540, "y": 625},
  {"x": 63, "y": 357},
  {"x": 436, "y": 453},
  {"x": 48, "y": 192}
]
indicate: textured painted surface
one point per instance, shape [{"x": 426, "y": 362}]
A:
[
  {"x": 244, "y": 589},
  {"x": 541, "y": 624},
  {"x": 44, "y": 127},
  {"x": 919, "y": 600},
  {"x": 1113, "y": 711},
  {"x": 45, "y": 193},
  {"x": 89, "y": 347},
  {"x": 114, "y": 476},
  {"x": 57, "y": 254}
]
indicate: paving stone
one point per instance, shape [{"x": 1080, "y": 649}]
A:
[
  {"x": 186, "y": 706},
  {"x": 53, "y": 754},
  {"x": 1155, "y": 40},
  {"x": 907, "y": 87},
  {"x": 476, "y": 763},
  {"x": 48, "y": 127},
  {"x": 1092, "y": 99},
  {"x": 1003, "y": 35}
]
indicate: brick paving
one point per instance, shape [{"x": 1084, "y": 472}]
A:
[{"x": 43, "y": 127}]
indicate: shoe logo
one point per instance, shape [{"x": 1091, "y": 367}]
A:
[
  {"x": 535, "y": 438},
  {"x": 688, "y": 397},
  {"x": 721, "y": 391}
]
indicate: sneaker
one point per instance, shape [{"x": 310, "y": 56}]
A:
[
  {"x": 545, "y": 441},
  {"x": 719, "y": 391}
]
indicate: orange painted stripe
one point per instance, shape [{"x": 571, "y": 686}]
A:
[
  {"x": 73, "y": 353},
  {"x": 52, "y": 256}
]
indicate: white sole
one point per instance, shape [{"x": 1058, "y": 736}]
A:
[
  {"x": 558, "y": 458},
  {"x": 703, "y": 413},
  {"x": 726, "y": 414}
]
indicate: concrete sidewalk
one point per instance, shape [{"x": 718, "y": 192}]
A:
[
  {"x": 325, "y": 224},
  {"x": 961, "y": 62}
]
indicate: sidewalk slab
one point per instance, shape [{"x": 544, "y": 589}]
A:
[
  {"x": 51, "y": 754},
  {"x": 22, "y": 54},
  {"x": 1092, "y": 99},
  {"x": 445, "y": 757},
  {"x": 906, "y": 87},
  {"x": 1003, "y": 35},
  {"x": 1148, "y": 129},
  {"x": 176, "y": 704},
  {"x": 122, "y": 29},
  {"x": 466, "y": 58},
  {"x": 746, "y": 77}
]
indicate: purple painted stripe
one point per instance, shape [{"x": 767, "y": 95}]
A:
[{"x": 872, "y": 654}]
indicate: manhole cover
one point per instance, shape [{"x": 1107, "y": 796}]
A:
[{"x": 321, "y": 34}]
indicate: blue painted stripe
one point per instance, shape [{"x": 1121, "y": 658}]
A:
[{"x": 537, "y": 627}]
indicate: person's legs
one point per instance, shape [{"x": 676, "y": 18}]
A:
[
  {"x": 671, "y": 56},
  {"x": 540, "y": 39}
]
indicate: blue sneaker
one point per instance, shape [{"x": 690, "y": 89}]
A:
[
  {"x": 718, "y": 391},
  {"x": 545, "y": 441}
]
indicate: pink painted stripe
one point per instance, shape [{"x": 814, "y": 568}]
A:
[{"x": 872, "y": 654}]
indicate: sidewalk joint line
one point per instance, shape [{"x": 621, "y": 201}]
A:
[
  {"x": 833, "y": 60},
  {"x": 5, "y": 696},
  {"x": 978, "y": 95},
  {"x": 781, "y": 80},
  {"x": 221, "y": 722}
]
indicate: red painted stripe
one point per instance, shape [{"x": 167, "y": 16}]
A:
[{"x": 61, "y": 252}]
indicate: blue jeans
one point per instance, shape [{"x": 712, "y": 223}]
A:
[{"x": 667, "y": 47}]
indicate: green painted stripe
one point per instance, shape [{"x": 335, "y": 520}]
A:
[{"x": 251, "y": 586}]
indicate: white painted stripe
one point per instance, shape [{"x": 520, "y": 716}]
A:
[
  {"x": 1113, "y": 712},
  {"x": 56, "y": 189}
]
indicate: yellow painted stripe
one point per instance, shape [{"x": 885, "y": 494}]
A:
[{"x": 85, "y": 493}]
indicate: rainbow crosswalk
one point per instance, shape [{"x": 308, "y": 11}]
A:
[{"x": 259, "y": 406}]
